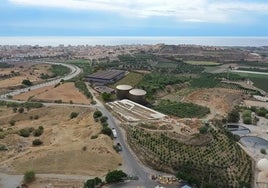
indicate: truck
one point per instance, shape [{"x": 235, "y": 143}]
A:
[{"x": 114, "y": 133}]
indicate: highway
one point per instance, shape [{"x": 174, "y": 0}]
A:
[{"x": 131, "y": 163}]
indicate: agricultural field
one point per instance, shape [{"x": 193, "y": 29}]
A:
[
  {"x": 132, "y": 78},
  {"x": 260, "y": 81},
  {"x": 52, "y": 94},
  {"x": 212, "y": 159},
  {"x": 182, "y": 110},
  {"x": 206, "y": 63},
  {"x": 50, "y": 140}
]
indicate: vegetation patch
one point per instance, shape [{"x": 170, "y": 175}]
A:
[
  {"x": 83, "y": 88},
  {"x": 260, "y": 81},
  {"x": 182, "y": 110},
  {"x": 205, "y": 81},
  {"x": 155, "y": 81},
  {"x": 219, "y": 163},
  {"x": 29, "y": 177},
  {"x": 131, "y": 78},
  {"x": 59, "y": 70},
  {"x": 207, "y": 63}
]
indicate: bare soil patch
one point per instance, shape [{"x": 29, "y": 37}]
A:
[
  {"x": 67, "y": 145},
  {"x": 65, "y": 92},
  {"x": 30, "y": 71},
  {"x": 219, "y": 100}
]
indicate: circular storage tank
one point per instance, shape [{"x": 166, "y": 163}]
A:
[
  {"x": 262, "y": 165},
  {"x": 137, "y": 95},
  {"x": 122, "y": 91}
]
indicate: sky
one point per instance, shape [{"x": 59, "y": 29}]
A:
[{"x": 133, "y": 18}]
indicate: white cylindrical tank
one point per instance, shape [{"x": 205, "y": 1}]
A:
[
  {"x": 122, "y": 91},
  {"x": 137, "y": 95}
]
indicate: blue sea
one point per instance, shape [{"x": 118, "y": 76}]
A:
[{"x": 111, "y": 41}]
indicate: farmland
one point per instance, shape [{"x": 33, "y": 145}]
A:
[
  {"x": 132, "y": 78},
  {"x": 207, "y": 63},
  {"x": 182, "y": 110},
  {"x": 260, "y": 81},
  {"x": 218, "y": 161}
]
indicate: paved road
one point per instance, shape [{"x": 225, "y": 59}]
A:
[
  {"x": 74, "y": 72},
  {"x": 131, "y": 163}
]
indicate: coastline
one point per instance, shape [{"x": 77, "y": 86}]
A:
[{"x": 224, "y": 41}]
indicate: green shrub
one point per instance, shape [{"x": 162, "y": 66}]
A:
[
  {"x": 37, "y": 142},
  {"x": 21, "y": 110},
  {"x": 203, "y": 129},
  {"x": 262, "y": 112},
  {"x": 93, "y": 183},
  {"x": 38, "y": 132},
  {"x": 12, "y": 122},
  {"x": 73, "y": 115},
  {"x": 233, "y": 116},
  {"x": 97, "y": 114},
  {"x": 107, "y": 131},
  {"x": 25, "y": 132},
  {"x": 94, "y": 136},
  {"x": 115, "y": 176},
  {"x": 103, "y": 119},
  {"x": 58, "y": 101},
  {"x": 3, "y": 147},
  {"x": 263, "y": 151},
  {"x": 247, "y": 120},
  {"x": 27, "y": 82},
  {"x": 29, "y": 177}
]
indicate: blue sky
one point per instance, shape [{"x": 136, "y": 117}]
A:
[{"x": 133, "y": 18}]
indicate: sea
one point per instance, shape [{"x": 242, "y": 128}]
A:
[{"x": 112, "y": 41}]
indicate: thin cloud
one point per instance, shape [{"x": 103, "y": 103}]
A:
[{"x": 182, "y": 10}]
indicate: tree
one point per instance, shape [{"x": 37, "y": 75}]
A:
[
  {"x": 107, "y": 131},
  {"x": 233, "y": 116},
  {"x": 203, "y": 129},
  {"x": 261, "y": 112},
  {"x": 27, "y": 82},
  {"x": 115, "y": 176},
  {"x": 21, "y": 110},
  {"x": 37, "y": 142},
  {"x": 106, "y": 96},
  {"x": 92, "y": 183},
  {"x": 103, "y": 119},
  {"x": 247, "y": 120},
  {"x": 29, "y": 176},
  {"x": 97, "y": 114},
  {"x": 73, "y": 115}
]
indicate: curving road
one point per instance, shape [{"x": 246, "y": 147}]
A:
[{"x": 131, "y": 164}]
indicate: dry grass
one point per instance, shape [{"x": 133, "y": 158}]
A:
[
  {"x": 66, "y": 92},
  {"x": 219, "y": 100},
  {"x": 64, "y": 139},
  {"x": 29, "y": 71}
]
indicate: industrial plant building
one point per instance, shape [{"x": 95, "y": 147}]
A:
[{"x": 105, "y": 77}]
